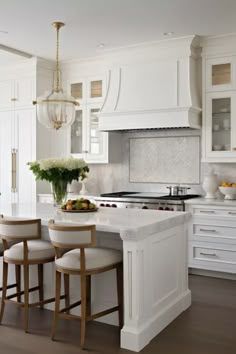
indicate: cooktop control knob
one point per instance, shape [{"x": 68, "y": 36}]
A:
[
  {"x": 144, "y": 207},
  {"x": 114, "y": 206},
  {"x": 101, "y": 205}
]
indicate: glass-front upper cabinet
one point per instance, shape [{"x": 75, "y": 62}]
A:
[
  {"x": 220, "y": 74},
  {"x": 220, "y": 124},
  {"x": 86, "y": 141},
  {"x": 88, "y": 90},
  {"x": 78, "y": 132},
  {"x": 96, "y": 140}
]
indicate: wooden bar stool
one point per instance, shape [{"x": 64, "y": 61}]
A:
[
  {"x": 85, "y": 260},
  {"x": 29, "y": 250},
  {"x": 17, "y": 272}
]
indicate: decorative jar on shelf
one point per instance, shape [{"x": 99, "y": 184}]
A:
[{"x": 210, "y": 185}]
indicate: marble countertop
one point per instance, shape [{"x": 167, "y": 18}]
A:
[
  {"x": 131, "y": 224},
  {"x": 217, "y": 202}
]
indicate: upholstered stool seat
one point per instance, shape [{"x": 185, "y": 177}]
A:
[
  {"x": 84, "y": 260},
  {"x": 37, "y": 249},
  {"x": 95, "y": 258}
]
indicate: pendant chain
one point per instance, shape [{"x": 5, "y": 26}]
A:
[{"x": 57, "y": 58}]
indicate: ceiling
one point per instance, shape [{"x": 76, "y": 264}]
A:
[{"x": 115, "y": 23}]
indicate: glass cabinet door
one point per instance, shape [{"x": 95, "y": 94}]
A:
[
  {"x": 95, "y": 90},
  {"x": 220, "y": 127},
  {"x": 95, "y": 137},
  {"x": 220, "y": 74},
  {"x": 221, "y": 124},
  {"x": 78, "y": 91},
  {"x": 78, "y": 133}
]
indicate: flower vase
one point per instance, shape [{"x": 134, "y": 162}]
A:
[{"x": 59, "y": 191}]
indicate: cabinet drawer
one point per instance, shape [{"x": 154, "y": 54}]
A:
[
  {"x": 211, "y": 212},
  {"x": 220, "y": 257},
  {"x": 214, "y": 231},
  {"x": 214, "y": 254}
]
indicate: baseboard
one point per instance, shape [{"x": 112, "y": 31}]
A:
[
  {"x": 137, "y": 339},
  {"x": 211, "y": 273}
]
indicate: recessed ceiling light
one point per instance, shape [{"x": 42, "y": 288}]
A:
[
  {"x": 168, "y": 33},
  {"x": 101, "y": 45}
]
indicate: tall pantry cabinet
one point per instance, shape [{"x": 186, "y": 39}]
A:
[{"x": 20, "y": 134}]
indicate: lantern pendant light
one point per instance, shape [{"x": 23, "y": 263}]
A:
[{"x": 56, "y": 110}]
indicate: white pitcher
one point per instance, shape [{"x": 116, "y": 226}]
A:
[{"x": 210, "y": 185}]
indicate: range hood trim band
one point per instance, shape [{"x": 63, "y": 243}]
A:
[{"x": 161, "y": 119}]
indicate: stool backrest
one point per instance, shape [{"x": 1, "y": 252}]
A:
[
  {"x": 13, "y": 229},
  {"x": 72, "y": 236}
]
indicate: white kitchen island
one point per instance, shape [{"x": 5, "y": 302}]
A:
[{"x": 154, "y": 245}]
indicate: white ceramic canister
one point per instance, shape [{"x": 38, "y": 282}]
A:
[{"x": 210, "y": 185}]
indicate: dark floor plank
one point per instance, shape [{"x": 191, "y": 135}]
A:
[{"x": 207, "y": 327}]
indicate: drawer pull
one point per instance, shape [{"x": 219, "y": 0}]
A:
[
  {"x": 208, "y": 254},
  {"x": 207, "y": 230},
  {"x": 207, "y": 211},
  {"x": 231, "y": 213}
]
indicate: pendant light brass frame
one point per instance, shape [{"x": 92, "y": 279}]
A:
[{"x": 57, "y": 124}]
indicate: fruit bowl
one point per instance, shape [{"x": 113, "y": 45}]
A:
[{"x": 229, "y": 192}]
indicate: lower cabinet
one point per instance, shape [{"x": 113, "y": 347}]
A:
[
  {"x": 212, "y": 238},
  {"x": 17, "y": 147}
]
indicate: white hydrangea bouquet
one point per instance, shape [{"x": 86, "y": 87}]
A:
[{"x": 59, "y": 172}]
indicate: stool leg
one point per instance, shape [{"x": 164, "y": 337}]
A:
[
  {"x": 119, "y": 278},
  {"x": 18, "y": 281},
  {"x": 67, "y": 290},
  {"x": 88, "y": 294},
  {"x": 26, "y": 297},
  {"x": 83, "y": 309},
  {"x": 40, "y": 283},
  {"x": 4, "y": 288},
  {"x": 57, "y": 303}
]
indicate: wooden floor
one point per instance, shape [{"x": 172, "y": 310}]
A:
[{"x": 207, "y": 327}]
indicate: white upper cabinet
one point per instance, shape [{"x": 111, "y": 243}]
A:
[
  {"x": 88, "y": 90},
  {"x": 86, "y": 141},
  {"x": 220, "y": 126},
  {"x": 16, "y": 94},
  {"x": 220, "y": 74},
  {"x": 219, "y": 99}
]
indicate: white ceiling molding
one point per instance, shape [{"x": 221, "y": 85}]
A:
[{"x": 15, "y": 51}]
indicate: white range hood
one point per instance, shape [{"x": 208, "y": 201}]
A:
[{"x": 155, "y": 92}]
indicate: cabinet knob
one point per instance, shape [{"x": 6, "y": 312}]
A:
[{"x": 14, "y": 99}]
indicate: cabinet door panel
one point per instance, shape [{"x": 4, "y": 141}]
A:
[
  {"x": 24, "y": 92},
  {"x": 25, "y": 152},
  {"x": 97, "y": 144},
  {"x": 6, "y": 94},
  {"x": 6, "y": 157},
  {"x": 78, "y": 133},
  {"x": 220, "y": 125},
  {"x": 96, "y": 90},
  {"x": 220, "y": 74},
  {"x": 78, "y": 90}
]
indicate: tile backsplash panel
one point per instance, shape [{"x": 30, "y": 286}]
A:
[{"x": 167, "y": 159}]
